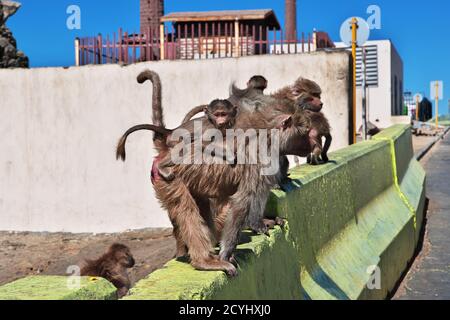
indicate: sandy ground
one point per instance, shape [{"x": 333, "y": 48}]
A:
[{"x": 23, "y": 254}]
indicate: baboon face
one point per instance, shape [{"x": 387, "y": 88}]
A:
[
  {"x": 123, "y": 256},
  {"x": 310, "y": 102},
  {"x": 221, "y": 113},
  {"x": 257, "y": 82}
]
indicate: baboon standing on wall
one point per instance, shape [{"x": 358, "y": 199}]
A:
[{"x": 240, "y": 187}]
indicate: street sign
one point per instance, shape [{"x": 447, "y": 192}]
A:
[
  {"x": 363, "y": 32},
  {"x": 437, "y": 90}
]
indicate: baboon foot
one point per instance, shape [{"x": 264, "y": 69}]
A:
[
  {"x": 181, "y": 251},
  {"x": 314, "y": 160},
  {"x": 214, "y": 264},
  {"x": 121, "y": 292},
  {"x": 271, "y": 223},
  {"x": 259, "y": 227}
]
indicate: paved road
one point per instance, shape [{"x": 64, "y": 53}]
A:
[{"x": 429, "y": 277}]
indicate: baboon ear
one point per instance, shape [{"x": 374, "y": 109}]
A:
[
  {"x": 205, "y": 109},
  {"x": 286, "y": 122}
]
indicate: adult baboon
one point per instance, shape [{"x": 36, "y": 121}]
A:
[{"x": 242, "y": 188}]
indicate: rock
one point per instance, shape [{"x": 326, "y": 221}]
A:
[
  {"x": 10, "y": 57},
  {"x": 8, "y": 8}
]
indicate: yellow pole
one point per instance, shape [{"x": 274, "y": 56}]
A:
[
  {"x": 162, "y": 41},
  {"x": 437, "y": 104},
  {"x": 354, "y": 39},
  {"x": 236, "y": 38},
  {"x": 417, "y": 108}
]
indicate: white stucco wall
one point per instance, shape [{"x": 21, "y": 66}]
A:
[{"x": 59, "y": 129}]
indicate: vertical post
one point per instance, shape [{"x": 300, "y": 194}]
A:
[
  {"x": 100, "y": 48},
  {"x": 437, "y": 104},
  {"x": 314, "y": 39},
  {"x": 354, "y": 43},
  {"x": 417, "y": 108},
  {"x": 236, "y": 37},
  {"x": 120, "y": 46},
  {"x": 77, "y": 52},
  {"x": 162, "y": 41},
  {"x": 364, "y": 105}
]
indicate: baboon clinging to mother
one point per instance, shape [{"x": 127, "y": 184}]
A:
[
  {"x": 219, "y": 114},
  {"x": 240, "y": 188}
]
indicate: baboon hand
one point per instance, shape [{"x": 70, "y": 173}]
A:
[{"x": 260, "y": 227}]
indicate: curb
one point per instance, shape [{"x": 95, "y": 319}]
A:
[{"x": 422, "y": 153}]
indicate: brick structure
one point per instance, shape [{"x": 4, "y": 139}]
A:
[
  {"x": 151, "y": 12},
  {"x": 291, "y": 20}
]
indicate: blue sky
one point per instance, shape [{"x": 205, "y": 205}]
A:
[{"x": 418, "y": 29}]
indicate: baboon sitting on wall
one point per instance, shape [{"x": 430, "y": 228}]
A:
[{"x": 113, "y": 267}]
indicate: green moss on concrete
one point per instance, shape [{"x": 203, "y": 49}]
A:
[
  {"x": 58, "y": 288},
  {"x": 344, "y": 217},
  {"x": 409, "y": 174},
  {"x": 257, "y": 256},
  {"x": 358, "y": 211}
]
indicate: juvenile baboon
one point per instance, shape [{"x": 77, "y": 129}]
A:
[
  {"x": 255, "y": 87},
  {"x": 113, "y": 267},
  {"x": 320, "y": 127},
  {"x": 306, "y": 95},
  {"x": 219, "y": 114},
  {"x": 301, "y": 85}
]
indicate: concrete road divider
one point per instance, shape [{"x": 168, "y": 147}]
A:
[
  {"x": 58, "y": 288},
  {"x": 353, "y": 226}
]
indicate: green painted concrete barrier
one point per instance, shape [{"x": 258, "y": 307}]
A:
[
  {"x": 345, "y": 219},
  {"x": 361, "y": 212},
  {"x": 58, "y": 288}
]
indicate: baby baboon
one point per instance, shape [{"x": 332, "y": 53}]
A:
[
  {"x": 306, "y": 95},
  {"x": 219, "y": 114},
  {"x": 255, "y": 87},
  {"x": 255, "y": 90},
  {"x": 311, "y": 106},
  {"x": 113, "y": 267},
  {"x": 300, "y": 86}
]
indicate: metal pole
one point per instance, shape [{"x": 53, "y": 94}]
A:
[
  {"x": 364, "y": 105},
  {"x": 417, "y": 108},
  {"x": 354, "y": 43},
  {"x": 437, "y": 104},
  {"x": 162, "y": 41}
]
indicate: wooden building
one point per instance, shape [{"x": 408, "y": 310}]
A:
[{"x": 202, "y": 35}]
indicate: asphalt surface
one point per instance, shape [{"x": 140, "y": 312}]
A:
[{"x": 429, "y": 276}]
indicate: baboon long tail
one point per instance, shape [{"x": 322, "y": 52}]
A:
[
  {"x": 194, "y": 112},
  {"x": 120, "y": 151},
  {"x": 239, "y": 93},
  {"x": 157, "y": 112}
]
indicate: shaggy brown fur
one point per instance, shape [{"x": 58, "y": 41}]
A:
[
  {"x": 240, "y": 188},
  {"x": 113, "y": 267}
]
